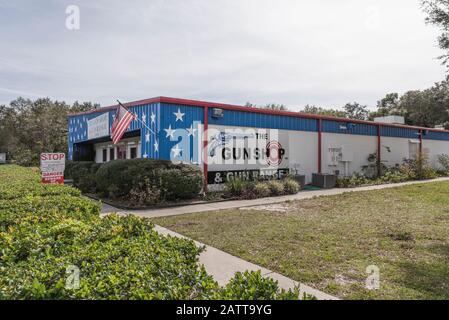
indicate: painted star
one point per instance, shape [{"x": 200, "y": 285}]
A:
[
  {"x": 176, "y": 151},
  {"x": 179, "y": 115},
  {"x": 144, "y": 117},
  {"x": 191, "y": 131},
  {"x": 153, "y": 117},
  {"x": 170, "y": 132},
  {"x": 156, "y": 146},
  {"x": 145, "y": 156},
  {"x": 147, "y": 137}
]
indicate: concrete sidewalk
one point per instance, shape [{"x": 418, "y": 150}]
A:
[
  {"x": 153, "y": 213},
  {"x": 222, "y": 266}
]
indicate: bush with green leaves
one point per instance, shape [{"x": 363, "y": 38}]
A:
[
  {"x": 83, "y": 175},
  {"x": 236, "y": 186},
  {"x": 276, "y": 187},
  {"x": 262, "y": 190},
  {"x": 356, "y": 180},
  {"x": 253, "y": 286},
  {"x": 116, "y": 179},
  {"x": 45, "y": 237},
  {"x": 291, "y": 186},
  {"x": 443, "y": 161}
]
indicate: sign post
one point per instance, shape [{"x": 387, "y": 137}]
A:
[{"x": 52, "y": 167}]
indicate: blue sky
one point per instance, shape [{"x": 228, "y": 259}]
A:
[{"x": 294, "y": 52}]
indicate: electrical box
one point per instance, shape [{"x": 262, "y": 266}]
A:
[{"x": 347, "y": 155}]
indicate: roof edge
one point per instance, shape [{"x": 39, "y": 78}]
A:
[{"x": 199, "y": 103}]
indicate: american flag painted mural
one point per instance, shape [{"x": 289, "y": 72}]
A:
[{"x": 170, "y": 132}]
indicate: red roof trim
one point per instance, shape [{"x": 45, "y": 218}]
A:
[{"x": 198, "y": 103}]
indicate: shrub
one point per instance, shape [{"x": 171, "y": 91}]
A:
[
  {"x": 69, "y": 169},
  {"x": 393, "y": 176},
  {"x": 276, "y": 187},
  {"x": 443, "y": 160},
  {"x": 418, "y": 169},
  {"x": 83, "y": 175},
  {"x": 236, "y": 186},
  {"x": 118, "y": 258},
  {"x": 175, "y": 181},
  {"x": 353, "y": 181},
  {"x": 38, "y": 207},
  {"x": 43, "y": 236},
  {"x": 262, "y": 190},
  {"x": 145, "y": 193},
  {"x": 291, "y": 186},
  {"x": 252, "y": 286}
]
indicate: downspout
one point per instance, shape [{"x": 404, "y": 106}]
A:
[
  {"x": 379, "y": 149},
  {"x": 320, "y": 128},
  {"x": 420, "y": 143},
  {"x": 205, "y": 142}
]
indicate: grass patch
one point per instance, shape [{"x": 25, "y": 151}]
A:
[{"x": 328, "y": 242}]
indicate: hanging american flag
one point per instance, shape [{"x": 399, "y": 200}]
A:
[{"x": 123, "y": 118}]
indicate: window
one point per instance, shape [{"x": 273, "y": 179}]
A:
[
  {"x": 105, "y": 155},
  {"x": 111, "y": 154},
  {"x": 121, "y": 152},
  {"x": 133, "y": 152}
]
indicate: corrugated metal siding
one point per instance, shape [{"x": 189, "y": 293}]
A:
[
  {"x": 434, "y": 135},
  {"x": 164, "y": 117},
  {"x": 77, "y": 127},
  {"x": 193, "y": 117},
  {"x": 397, "y": 132},
  {"x": 260, "y": 120},
  {"x": 349, "y": 128}
]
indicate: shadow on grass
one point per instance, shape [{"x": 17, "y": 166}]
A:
[{"x": 430, "y": 278}]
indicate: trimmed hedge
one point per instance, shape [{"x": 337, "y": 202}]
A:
[
  {"x": 83, "y": 175},
  {"x": 118, "y": 178},
  {"x": 45, "y": 236}
]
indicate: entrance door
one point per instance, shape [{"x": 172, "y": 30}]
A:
[{"x": 121, "y": 152}]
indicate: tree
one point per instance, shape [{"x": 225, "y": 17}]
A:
[
  {"x": 28, "y": 128},
  {"x": 271, "y": 106},
  {"x": 426, "y": 108},
  {"x": 438, "y": 15},
  {"x": 356, "y": 111},
  {"x": 389, "y": 105},
  {"x": 323, "y": 112}
]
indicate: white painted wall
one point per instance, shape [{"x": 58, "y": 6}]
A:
[
  {"x": 303, "y": 153},
  {"x": 434, "y": 148},
  {"x": 357, "y": 147},
  {"x": 400, "y": 150}
]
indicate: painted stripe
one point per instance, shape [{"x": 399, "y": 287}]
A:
[
  {"x": 122, "y": 123},
  {"x": 122, "y": 127}
]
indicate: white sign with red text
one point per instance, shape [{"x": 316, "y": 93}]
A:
[{"x": 52, "y": 167}]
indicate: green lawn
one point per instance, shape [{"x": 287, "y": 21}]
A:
[{"x": 328, "y": 242}]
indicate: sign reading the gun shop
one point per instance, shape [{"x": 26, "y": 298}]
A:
[
  {"x": 255, "y": 147},
  {"x": 52, "y": 167},
  {"x": 219, "y": 177}
]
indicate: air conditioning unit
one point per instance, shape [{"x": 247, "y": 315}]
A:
[
  {"x": 390, "y": 119},
  {"x": 323, "y": 180}
]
